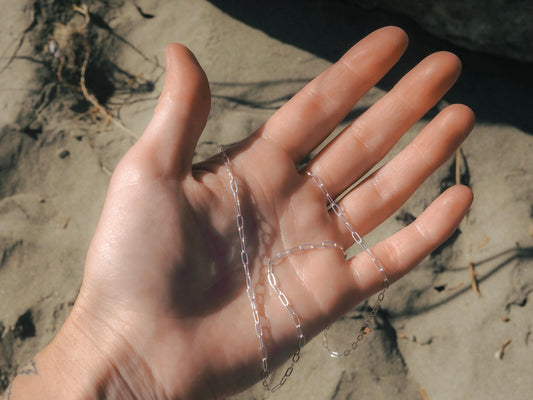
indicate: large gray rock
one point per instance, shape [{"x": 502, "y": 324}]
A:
[{"x": 493, "y": 26}]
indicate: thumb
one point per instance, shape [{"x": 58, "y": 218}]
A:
[{"x": 169, "y": 141}]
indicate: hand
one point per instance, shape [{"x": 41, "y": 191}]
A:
[{"x": 164, "y": 299}]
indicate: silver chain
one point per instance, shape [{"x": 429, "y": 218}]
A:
[
  {"x": 263, "y": 353},
  {"x": 285, "y": 302},
  {"x": 281, "y": 295},
  {"x": 368, "y": 324},
  {"x": 246, "y": 262}
]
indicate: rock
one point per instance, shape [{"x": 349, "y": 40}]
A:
[
  {"x": 64, "y": 153},
  {"x": 497, "y": 27}
]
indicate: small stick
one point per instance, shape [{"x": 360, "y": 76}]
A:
[
  {"x": 83, "y": 10},
  {"x": 459, "y": 285},
  {"x": 475, "y": 286},
  {"x": 402, "y": 336},
  {"x": 458, "y": 166},
  {"x": 423, "y": 394},
  {"x": 65, "y": 224},
  {"x": 499, "y": 354},
  {"x": 91, "y": 99},
  {"x": 483, "y": 242}
]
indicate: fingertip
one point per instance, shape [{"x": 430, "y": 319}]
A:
[
  {"x": 392, "y": 36},
  {"x": 178, "y": 50},
  {"x": 467, "y": 193},
  {"x": 468, "y": 114},
  {"x": 453, "y": 59},
  {"x": 184, "y": 72},
  {"x": 437, "y": 72},
  {"x": 396, "y": 33},
  {"x": 447, "y": 61},
  {"x": 458, "y": 119},
  {"x": 458, "y": 197},
  {"x": 377, "y": 52},
  {"x": 463, "y": 111}
]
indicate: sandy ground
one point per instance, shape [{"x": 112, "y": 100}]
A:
[{"x": 435, "y": 334}]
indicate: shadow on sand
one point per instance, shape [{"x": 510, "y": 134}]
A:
[{"x": 499, "y": 90}]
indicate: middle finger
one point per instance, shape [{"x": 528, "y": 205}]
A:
[{"x": 370, "y": 137}]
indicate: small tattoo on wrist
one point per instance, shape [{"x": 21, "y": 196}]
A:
[
  {"x": 7, "y": 393},
  {"x": 29, "y": 369}
]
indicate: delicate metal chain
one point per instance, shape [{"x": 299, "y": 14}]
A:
[
  {"x": 246, "y": 264},
  {"x": 368, "y": 324},
  {"x": 282, "y": 297},
  {"x": 365, "y": 329},
  {"x": 285, "y": 302},
  {"x": 272, "y": 279}
]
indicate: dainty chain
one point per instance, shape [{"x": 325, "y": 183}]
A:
[
  {"x": 251, "y": 293},
  {"x": 326, "y": 244},
  {"x": 281, "y": 295},
  {"x": 368, "y": 324},
  {"x": 246, "y": 264}
]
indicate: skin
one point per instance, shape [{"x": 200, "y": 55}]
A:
[{"x": 163, "y": 311}]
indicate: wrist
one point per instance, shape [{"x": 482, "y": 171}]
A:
[
  {"x": 65, "y": 369},
  {"x": 106, "y": 363},
  {"x": 70, "y": 366},
  {"x": 86, "y": 360}
]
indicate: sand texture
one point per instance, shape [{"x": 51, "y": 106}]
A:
[{"x": 435, "y": 334}]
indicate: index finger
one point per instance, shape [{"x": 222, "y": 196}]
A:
[{"x": 314, "y": 112}]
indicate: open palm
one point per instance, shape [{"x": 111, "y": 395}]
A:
[{"x": 164, "y": 279}]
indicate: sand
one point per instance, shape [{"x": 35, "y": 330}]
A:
[{"x": 435, "y": 334}]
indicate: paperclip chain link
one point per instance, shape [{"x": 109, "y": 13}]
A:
[
  {"x": 281, "y": 295},
  {"x": 251, "y": 293},
  {"x": 245, "y": 261},
  {"x": 285, "y": 301},
  {"x": 368, "y": 324}
]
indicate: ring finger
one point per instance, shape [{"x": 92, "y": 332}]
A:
[{"x": 383, "y": 192}]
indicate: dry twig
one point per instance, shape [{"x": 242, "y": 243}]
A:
[
  {"x": 455, "y": 287},
  {"x": 500, "y": 353},
  {"x": 474, "y": 278},
  {"x": 89, "y": 97},
  {"x": 458, "y": 166},
  {"x": 483, "y": 242},
  {"x": 83, "y": 10}
]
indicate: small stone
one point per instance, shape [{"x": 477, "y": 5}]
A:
[
  {"x": 64, "y": 153},
  {"x": 493, "y": 26}
]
